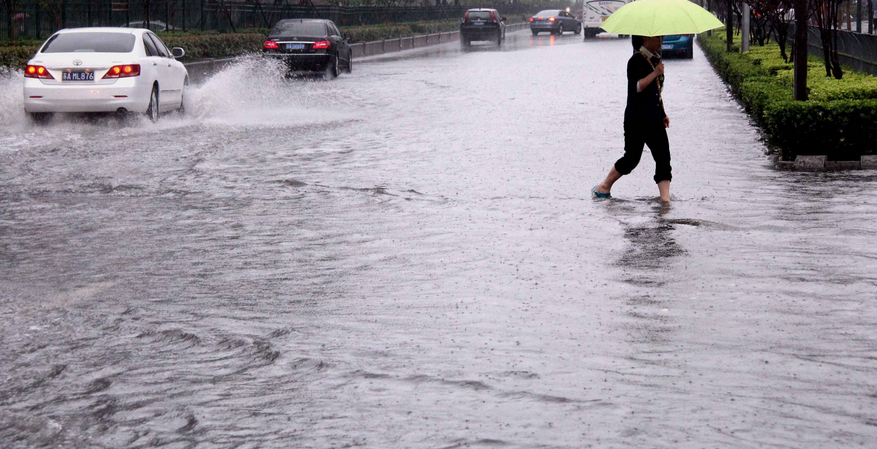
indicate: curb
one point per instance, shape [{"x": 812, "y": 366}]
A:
[{"x": 821, "y": 163}]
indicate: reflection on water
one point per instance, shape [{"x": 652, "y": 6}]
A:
[{"x": 543, "y": 41}]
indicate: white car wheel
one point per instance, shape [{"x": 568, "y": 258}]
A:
[
  {"x": 183, "y": 96},
  {"x": 152, "y": 110}
]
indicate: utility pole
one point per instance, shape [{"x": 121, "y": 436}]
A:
[
  {"x": 744, "y": 29},
  {"x": 801, "y": 30}
]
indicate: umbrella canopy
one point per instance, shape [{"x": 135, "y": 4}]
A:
[{"x": 660, "y": 18}]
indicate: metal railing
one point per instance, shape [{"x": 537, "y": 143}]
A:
[
  {"x": 35, "y": 20},
  {"x": 856, "y": 50}
]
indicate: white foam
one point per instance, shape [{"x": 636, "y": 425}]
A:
[{"x": 254, "y": 92}]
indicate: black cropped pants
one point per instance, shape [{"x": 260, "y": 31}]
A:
[{"x": 655, "y": 136}]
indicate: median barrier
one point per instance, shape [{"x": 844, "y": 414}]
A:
[
  {"x": 374, "y": 48},
  {"x": 406, "y": 43},
  {"x": 201, "y": 70},
  {"x": 392, "y": 45},
  {"x": 357, "y": 50},
  {"x": 869, "y": 162}
]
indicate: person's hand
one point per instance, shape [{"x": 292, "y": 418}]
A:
[
  {"x": 659, "y": 69},
  {"x": 666, "y": 122}
]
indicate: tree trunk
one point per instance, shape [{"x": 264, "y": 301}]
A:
[
  {"x": 823, "y": 21},
  {"x": 836, "y": 69},
  {"x": 800, "y": 83},
  {"x": 729, "y": 18}
]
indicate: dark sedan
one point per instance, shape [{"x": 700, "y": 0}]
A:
[
  {"x": 482, "y": 25},
  {"x": 555, "y": 21},
  {"x": 309, "y": 45}
]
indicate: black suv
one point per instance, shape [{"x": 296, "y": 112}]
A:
[
  {"x": 309, "y": 44},
  {"x": 482, "y": 24}
]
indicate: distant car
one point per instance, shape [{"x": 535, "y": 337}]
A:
[
  {"x": 555, "y": 21},
  {"x": 154, "y": 25},
  {"x": 309, "y": 45},
  {"x": 678, "y": 45},
  {"x": 482, "y": 25},
  {"x": 104, "y": 70}
]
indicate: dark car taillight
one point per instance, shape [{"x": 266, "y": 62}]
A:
[
  {"x": 270, "y": 45},
  {"x": 322, "y": 45}
]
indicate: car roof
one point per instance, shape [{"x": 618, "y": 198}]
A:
[
  {"x": 489, "y": 9},
  {"x": 101, "y": 30},
  {"x": 303, "y": 20}
]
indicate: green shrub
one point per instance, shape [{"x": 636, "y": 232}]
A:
[
  {"x": 198, "y": 46},
  {"x": 842, "y": 129},
  {"x": 837, "y": 121},
  {"x": 16, "y": 56}
]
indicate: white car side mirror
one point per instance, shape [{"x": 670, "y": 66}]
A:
[{"x": 178, "y": 52}]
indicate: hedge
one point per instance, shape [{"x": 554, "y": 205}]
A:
[
  {"x": 199, "y": 45},
  {"x": 837, "y": 121}
]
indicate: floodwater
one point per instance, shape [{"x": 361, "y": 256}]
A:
[{"x": 409, "y": 256}]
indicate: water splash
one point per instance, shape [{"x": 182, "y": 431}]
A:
[
  {"x": 12, "y": 98},
  {"x": 251, "y": 92},
  {"x": 254, "y": 91}
]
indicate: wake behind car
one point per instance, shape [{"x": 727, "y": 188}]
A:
[
  {"x": 104, "y": 70},
  {"x": 309, "y": 45},
  {"x": 555, "y": 21},
  {"x": 482, "y": 24}
]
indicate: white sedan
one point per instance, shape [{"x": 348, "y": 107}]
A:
[{"x": 104, "y": 70}]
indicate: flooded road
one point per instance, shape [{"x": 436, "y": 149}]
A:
[{"x": 409, "y": 256}]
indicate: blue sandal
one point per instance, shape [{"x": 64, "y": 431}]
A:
[{"x": 598, "y": 194}]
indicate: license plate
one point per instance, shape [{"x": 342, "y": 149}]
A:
[
  {"x": 295, "y": 46},
  {"x": 666, "y": 47},
  {"x": 77, "y": 76},
  {"x": 477, "y": 23}
]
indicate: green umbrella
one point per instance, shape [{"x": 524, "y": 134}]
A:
[{"x": 660, "y": 18}]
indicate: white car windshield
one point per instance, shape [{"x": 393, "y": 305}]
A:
[{"x": 90, "y": 43}]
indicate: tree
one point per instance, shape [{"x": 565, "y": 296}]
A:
[
  {"x": 825, "y": 13},
  {"x": 775, "y": 14}
]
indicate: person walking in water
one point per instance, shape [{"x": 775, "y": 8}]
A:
[{"x": 645, "y": 121}]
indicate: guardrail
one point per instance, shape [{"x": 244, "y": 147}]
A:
[{"x": 381, "y": 47}]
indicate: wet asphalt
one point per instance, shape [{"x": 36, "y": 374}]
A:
[{"x": 409, "y": 256}]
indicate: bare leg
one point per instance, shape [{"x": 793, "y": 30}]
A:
[
  {"x": 606, "y": 185},
  {"x": 664, "y": 188}
]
